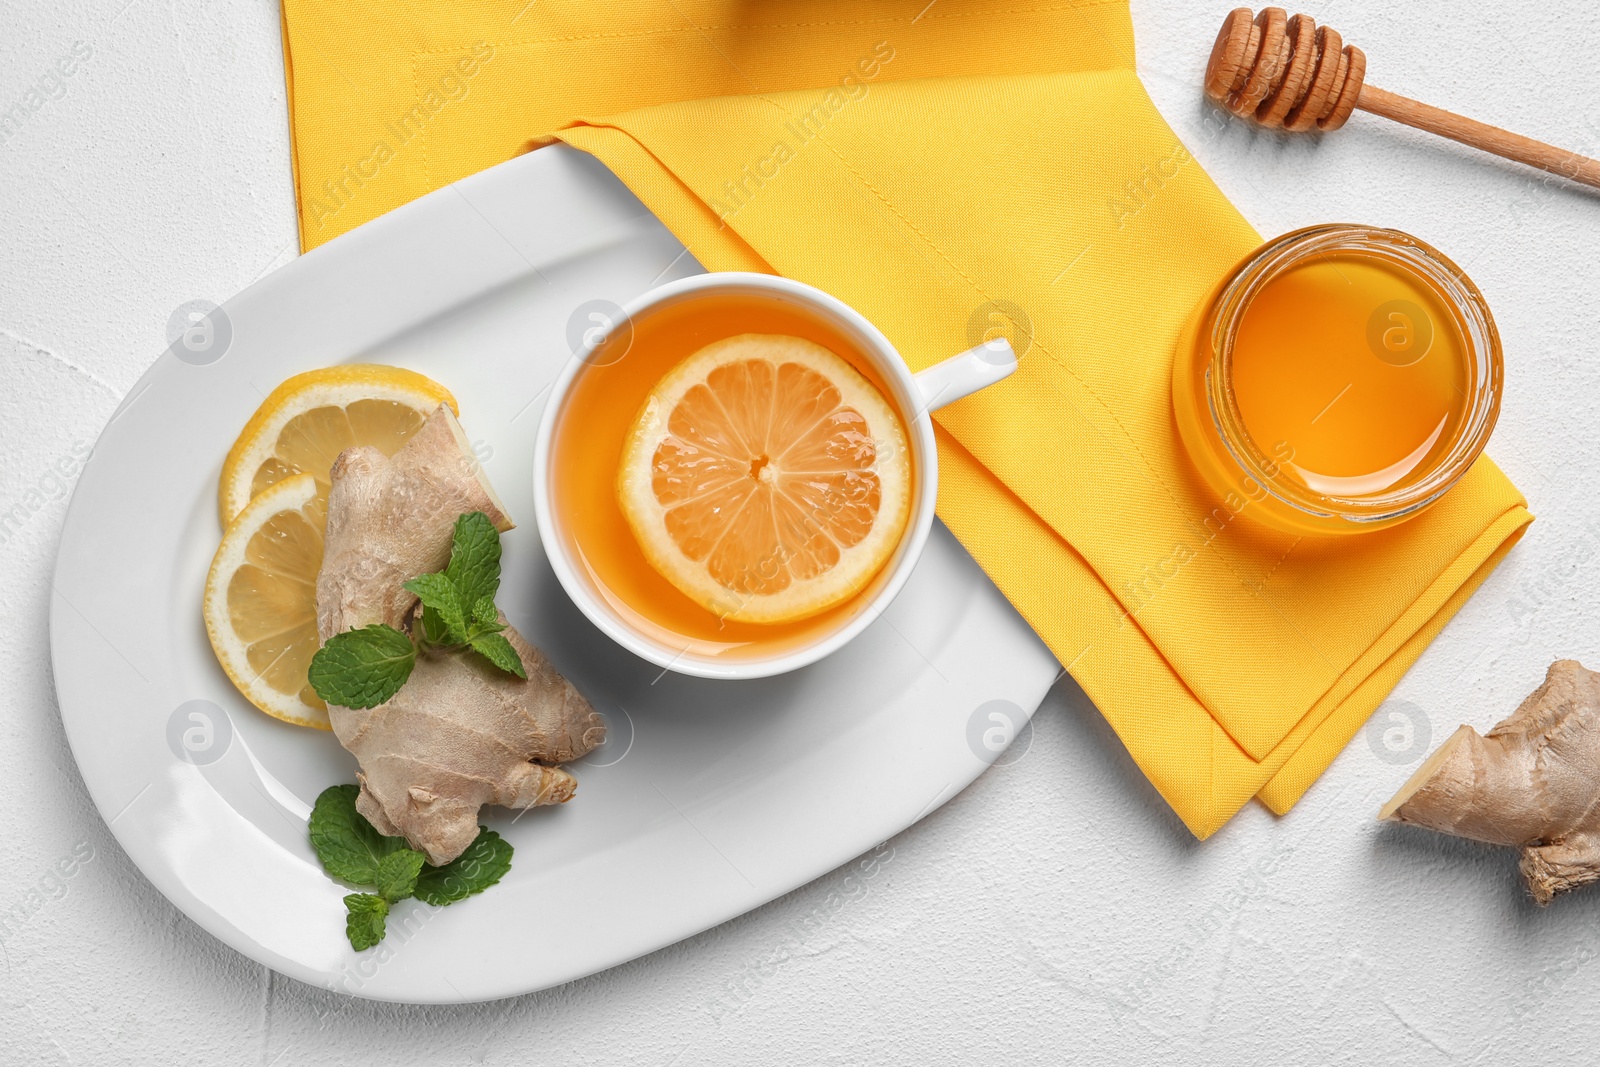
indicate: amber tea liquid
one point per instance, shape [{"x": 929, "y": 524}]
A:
[{"x": 586, "y": 446}]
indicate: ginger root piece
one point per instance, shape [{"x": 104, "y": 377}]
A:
[
  {"x": 1532, "y": 782},
  {"x": 390, "y": 519},
  {"x": 460, "y": 733}
]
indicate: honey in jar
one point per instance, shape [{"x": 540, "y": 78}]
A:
[{"x": 1340, "y": 379}]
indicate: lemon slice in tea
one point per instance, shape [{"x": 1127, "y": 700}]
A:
[{"x": 766, "y": 478}]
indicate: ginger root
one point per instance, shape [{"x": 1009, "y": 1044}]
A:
[
  {"x": 390, "y": 519},
  {"x": 1532, "y": 782},
  {"x": 460, "y": 733}
]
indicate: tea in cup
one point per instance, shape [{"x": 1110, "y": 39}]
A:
[{"x": 737, "y": 477}]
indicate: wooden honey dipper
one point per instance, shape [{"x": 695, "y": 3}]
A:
[{"x": 1287, "y": 72}]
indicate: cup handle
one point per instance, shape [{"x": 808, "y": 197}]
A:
[{"x": 949, "y": 381}]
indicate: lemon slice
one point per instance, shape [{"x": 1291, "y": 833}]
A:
[
  {"x": 261, "y": 599},
  {"x": 308, "y": 420},
  {"x": 766, "y": 478}
]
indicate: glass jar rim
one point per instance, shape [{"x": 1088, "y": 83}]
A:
[{"x": 1474, "y": 322}]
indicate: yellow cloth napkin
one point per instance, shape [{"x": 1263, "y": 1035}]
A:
[{"x": 938, "y": 169}]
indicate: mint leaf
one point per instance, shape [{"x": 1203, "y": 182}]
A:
[
  {"x": 364, "y": 923},
  {"x": 434, "y": 630},
  {"x": 485, "y": 617},
  {"x": 483, "y": 864},
  {"x": 458, "y": 604},
  {"x": 497, "y": 650},
  {"x": 474, "y": 558},
  {"x": 362, "y": 668},
  {"x": 397, "y": 874},
  {"x": 349, "y": 848},
  {"x": 438, "y": 595}
]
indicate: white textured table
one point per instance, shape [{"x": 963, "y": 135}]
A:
[{"x": 1054, "y": 912}]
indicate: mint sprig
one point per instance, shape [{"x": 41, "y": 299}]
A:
[
  {"x": 352, "y": 851},
  {"x": 366, "y": 667}
]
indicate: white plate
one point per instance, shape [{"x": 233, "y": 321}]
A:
[{"x": 710, "y": 798}]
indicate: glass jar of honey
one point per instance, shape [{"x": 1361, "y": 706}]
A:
[{"x": 1340, "y": 379}]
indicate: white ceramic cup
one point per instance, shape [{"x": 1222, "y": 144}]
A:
[{"x": 914, "y": 396}]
